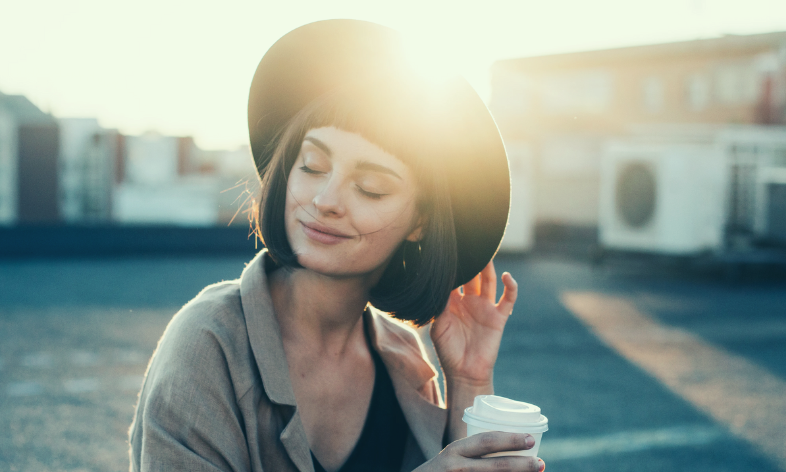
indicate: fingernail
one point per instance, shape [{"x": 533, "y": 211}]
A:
[
  {"x": 530, "y": 441},
  {"x": 541, "y": 465}
]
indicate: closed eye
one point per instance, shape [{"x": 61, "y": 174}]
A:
[
  {"x": 366, "y": 193},
  {"x": 309, "y": 170}
]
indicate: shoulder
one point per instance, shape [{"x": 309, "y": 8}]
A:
[
  {"x": 206, "y": 340},
  {"x": 192, "y": 386},
  {"x": 216, "y": 311}
]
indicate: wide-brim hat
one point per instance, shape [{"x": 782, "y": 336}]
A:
[{"x": 322, "y": 57}]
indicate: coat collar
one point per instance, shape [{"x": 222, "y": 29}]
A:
[
  {"x": 409, "y": 371},
  {"x": 264, "y": 333}
]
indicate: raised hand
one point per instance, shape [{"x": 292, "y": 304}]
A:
[{"x": 467, "y": 334}]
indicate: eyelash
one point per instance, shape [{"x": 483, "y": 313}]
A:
[
  {"x": 375, "y": 196},
  {"x": 365, "y": 193},
  {"x": 309, "y": 170}
]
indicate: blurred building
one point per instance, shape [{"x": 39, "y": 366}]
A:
[
  {"x": 519, "y": 233},
  {"x": 160, "y": 183},
  {"x": 75, "y": 135},
  {"x": 29, "y": 147},
  {"x": 73, "y": 171},
  {"x": 88, "y": 166},
  {"x": 104, "y": 160},
  {"x": 560, "y": 111},
  {"x": 8, "y": 168},
  {"x": 237, "y": 180}
]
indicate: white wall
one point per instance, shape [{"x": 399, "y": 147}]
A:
[
  {"x": 75, "y": 136},
  {"x": 519, "y": 234},
  {"x": 185, "y": 202},
  {"x": 8, "y": 169},
  {"x": 237, "y": 163},
  {"x": 151, "y": 159}
]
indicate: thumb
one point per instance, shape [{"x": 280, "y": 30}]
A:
[{"x": 441, "y": 323}]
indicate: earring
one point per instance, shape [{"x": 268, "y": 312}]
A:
[{"x": 413, "y": 259}]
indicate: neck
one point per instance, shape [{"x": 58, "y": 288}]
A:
[{"x": 320, "y": 312}]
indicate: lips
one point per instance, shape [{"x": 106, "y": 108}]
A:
[{"x": 323, "y": 234}]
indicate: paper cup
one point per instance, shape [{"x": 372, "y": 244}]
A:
[{"x": 493, "y": 413}]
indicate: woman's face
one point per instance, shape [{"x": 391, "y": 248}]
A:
[{"x": 349, "y": 204}]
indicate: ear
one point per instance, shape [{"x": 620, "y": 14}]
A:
[{"x": 417, "y": 233}]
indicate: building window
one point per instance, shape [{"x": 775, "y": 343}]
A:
[
  {"x": 652, "y": 94},
  {"x": 588, "y": 91},
  {"x": 779, "y": 158},
  {"x": 570, "y": 156},
  {"x": 736, "y": 83},
  {"x": 697, "y": 92}
]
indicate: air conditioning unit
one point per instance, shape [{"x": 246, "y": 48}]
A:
[{"x": 663, "y": 197}]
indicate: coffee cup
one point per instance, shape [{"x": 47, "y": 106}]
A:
[{"x": 494, "y": 413}]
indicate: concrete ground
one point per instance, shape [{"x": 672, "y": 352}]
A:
[{"x": 637, "y": 369}]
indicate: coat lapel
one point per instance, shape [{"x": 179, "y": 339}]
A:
[
  {"x": 296, "y": 443},
  {"x": 409, "y": 371},
  {"x": 426, "y": 420},
  {"x": 265, "y": 338},
  {"x": 411, "y": 374}
]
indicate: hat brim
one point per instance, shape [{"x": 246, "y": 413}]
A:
[{"x": 321, "y": 57}]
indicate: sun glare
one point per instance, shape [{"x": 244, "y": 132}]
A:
[{"x": 428, "y": 61}]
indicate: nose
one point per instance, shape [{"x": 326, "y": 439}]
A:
[{"x": 328, "y": 199}]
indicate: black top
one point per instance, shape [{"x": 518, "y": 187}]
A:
[{"x": 381, "y": 444}]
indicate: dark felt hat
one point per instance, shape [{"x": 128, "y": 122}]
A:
[{"x": 325, "y": 56}]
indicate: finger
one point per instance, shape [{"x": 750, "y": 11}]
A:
[
  {"x": 473, "y": 286},
  {"x": 504, "y": 463},
  {"x": 488, "y": 282},
  {"x": 455, "y": 297},
  {"x": 493, "y": 441},
  {"x": 442, "y": 321},
  {"x": 509, "y": 294}
]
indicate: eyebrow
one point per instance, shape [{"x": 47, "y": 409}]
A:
[
  {"x": 324, "y": 147},
  {"x": 365, "y": 165},
  {"x": 362, "y": 165}
]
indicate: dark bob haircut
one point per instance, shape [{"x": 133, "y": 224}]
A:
[{"x": 416, "y": 285}]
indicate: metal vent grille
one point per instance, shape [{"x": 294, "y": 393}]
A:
[{"x": 636, "y": 193}]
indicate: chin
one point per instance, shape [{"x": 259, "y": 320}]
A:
[
  {"x": 332, "y": 265},
  {"x": 317, "y": 264},
  {"x": 326, "y": 264}
]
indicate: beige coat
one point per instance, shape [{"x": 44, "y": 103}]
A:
[{"x": 217, "y": 394}]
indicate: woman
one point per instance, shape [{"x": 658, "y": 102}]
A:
[{"x": 381, "y": 191}]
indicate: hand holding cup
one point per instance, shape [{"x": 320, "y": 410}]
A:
[
  {"x": 494, "y": 413},
  {"x": 468, "y": 454}
]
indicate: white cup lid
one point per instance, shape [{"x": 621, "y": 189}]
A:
[{"x": 500, "y": 413}]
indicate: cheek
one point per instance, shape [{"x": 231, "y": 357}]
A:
[
  {"x": 297, "y": 192},
  {"x": 385, "y": 221}
]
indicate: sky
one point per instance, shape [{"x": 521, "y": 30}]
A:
[{"x": 184, "y": 67}]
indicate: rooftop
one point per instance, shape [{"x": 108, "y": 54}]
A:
[
  {"x": 24, "y": 110},
  {"x": 727, "y": 44}
]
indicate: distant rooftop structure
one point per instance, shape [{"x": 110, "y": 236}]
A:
[
  {"x": 23, "y": 110},
  {"x": 556, "y": 112},
  {"x": 28, "y": 163},
  {"x": 730, "y": 44}
]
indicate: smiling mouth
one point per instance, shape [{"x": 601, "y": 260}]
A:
[{"x": 323, "y": 233}]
